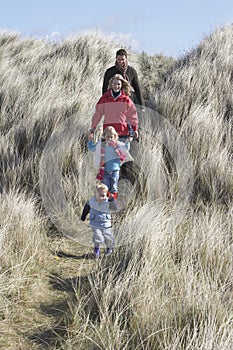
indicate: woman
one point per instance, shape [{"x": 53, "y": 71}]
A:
[{"x": 117, "y": 108}]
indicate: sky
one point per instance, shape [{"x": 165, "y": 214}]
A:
[{"x": 168, "y": 27}]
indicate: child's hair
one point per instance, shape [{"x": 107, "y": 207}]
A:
[
  {"x": 125, "y": 84},
  {"x": 110, "y": 130},
  {"x": 102, "y": 187}
]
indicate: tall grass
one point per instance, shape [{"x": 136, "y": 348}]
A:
[
  {"x": 161, "y": 289},
  {"x": 197, "y": 99},
  {"x": 164, "y": 293}
]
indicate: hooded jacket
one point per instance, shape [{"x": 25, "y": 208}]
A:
[
  {"x": 100, "y": 213},
  {"x": 111, "y": 156},
  {"x": 117, "y": 112}
]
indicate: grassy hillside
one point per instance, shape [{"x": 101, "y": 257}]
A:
[{"x": 168, "y": 284}]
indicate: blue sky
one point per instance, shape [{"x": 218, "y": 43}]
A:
[{"x": 169, "y": 27}]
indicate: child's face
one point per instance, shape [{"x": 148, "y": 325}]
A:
[
  {"x": 109, "y": 138},
  {"x": 101, "y": 196},
  {"x": 116, "y": 85}
]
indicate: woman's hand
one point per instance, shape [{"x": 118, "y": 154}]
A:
[{"x": 91, "y": 134}]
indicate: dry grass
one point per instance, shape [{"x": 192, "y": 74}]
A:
[
  {"x": 168, "y": 284},
  {"x": 197, "y": 99}
]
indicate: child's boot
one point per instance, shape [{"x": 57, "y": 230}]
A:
[
  {"x": 112, "y": 195},
  {"x": 97, "y": 252},
  {"x": 108, "y": 251}
]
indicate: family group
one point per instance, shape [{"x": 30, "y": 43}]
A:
[{"x": 121, "y": 94}]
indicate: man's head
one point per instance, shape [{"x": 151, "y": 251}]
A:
[
  {"x": 121, "y": 52},
  {"x": 121, "y": 57}
]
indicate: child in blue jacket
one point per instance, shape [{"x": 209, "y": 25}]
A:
[
  {"x": 99, "y": 207},
  {"x": 110, "y": 154}
]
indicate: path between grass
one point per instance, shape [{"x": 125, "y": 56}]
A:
[{"x": 42, "y": 313}]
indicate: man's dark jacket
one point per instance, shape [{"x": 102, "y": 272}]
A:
[{"x": 136, "y": 95}]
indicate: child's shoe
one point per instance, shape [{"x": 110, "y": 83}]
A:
[
  {"x": 97, "y": 252},
  {"x": 112, "y": 196},
  {"x": 109, "y": 251},
  {"x": 115, "y": 195}
]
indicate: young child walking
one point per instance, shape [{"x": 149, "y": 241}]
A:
[
  {"x": 99, "y": 207},
  {"x": 110, "y": 154}
]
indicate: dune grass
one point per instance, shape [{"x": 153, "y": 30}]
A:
[{"x": 162, "y": 288}]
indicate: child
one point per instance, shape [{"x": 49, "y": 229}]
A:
[
  {"x": 100, "y": 219},
  {"x": 109, "y": 155},
  {"x": 117, "y": 108}
]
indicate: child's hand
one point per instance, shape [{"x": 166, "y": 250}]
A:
[{"x": 112, "y": 143}]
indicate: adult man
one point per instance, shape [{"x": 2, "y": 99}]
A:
[{"x": 129, "y": 73}]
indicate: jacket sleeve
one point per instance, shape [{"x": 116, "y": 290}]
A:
[
  {"x": 86, "y": 211},
  {"x": 91, "y": 146},
  {"x": 132, "y": 115},
  {"x": 107, "y": 77},
  {"x": 136, "y": 86},
  {"x": 99, "y": 112}
]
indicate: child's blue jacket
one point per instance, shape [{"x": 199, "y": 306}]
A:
[{"x": 100, "y": 215}]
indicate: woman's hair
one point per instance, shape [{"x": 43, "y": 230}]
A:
[
  {"x": 110, "y": 130},
  {"x": 102, "y": 187},
  {"x": 125, "y": 84}
]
